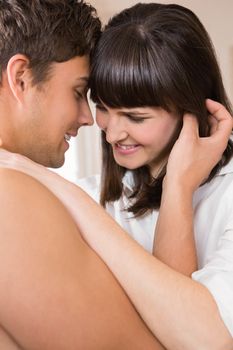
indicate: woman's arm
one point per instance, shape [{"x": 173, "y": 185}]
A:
[
  {"x": 174, "y": 238},
  {"x": 180, "y": 312},
  {"x": 174, "y": 242}
]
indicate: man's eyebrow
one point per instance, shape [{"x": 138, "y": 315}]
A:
[
  {"x": 82, "y": 82},
  {"x": 83, "y": 79}
]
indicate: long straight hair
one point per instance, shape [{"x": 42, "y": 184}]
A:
[{"x": 154, "y": 55}]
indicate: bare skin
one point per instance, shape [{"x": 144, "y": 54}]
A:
[
  {"x": 49, "y": 265},
  {"x": 6, "y": 342}
]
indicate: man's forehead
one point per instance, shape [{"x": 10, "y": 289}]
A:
[{"x": 77, "y": 69}]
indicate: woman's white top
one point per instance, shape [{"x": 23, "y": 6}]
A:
[{"x": 213, "y": 227}]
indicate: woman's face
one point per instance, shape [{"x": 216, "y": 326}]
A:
[{"x": 139, "y": 136}]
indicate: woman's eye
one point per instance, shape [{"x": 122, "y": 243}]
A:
[
  {"x": 100, "y": 107},
  {"x": 135, "y": 119}
]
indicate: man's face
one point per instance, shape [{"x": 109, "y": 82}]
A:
[{"x": 53, "y": 113}]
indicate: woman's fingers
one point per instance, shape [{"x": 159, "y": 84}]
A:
[
  {"x": 190, "y": 126},
  {"x": 213, "y": 123},
  {"x": 221, "y": 121}
]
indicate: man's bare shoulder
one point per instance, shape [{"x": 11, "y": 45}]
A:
[
  {"x": 25, "y": 199},
  {"x": 22, "y": 188},
  {"x": 11, "y": 179}
]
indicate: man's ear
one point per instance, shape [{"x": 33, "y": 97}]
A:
[{"x": 19, "y": 75}]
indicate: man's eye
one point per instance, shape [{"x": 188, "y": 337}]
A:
[{"x": 81, "y": 94}]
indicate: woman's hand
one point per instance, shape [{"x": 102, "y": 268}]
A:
[{"x": 193, "y": 157}]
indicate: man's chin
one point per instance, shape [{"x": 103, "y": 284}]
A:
[
  {"x": 56, "y": 164},
  {"x": 51, "y": 162}
]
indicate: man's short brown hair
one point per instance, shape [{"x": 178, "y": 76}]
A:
[{"x": 46, "y": 31}]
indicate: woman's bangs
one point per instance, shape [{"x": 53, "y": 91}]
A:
[{"x": 123, "y": 76}]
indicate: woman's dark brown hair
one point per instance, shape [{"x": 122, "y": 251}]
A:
[{"x": 154, "y": 55}]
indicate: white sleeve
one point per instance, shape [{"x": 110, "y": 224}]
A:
[
  {"x": 91, "y": 185},
  {"x": 217, "y": 276}
]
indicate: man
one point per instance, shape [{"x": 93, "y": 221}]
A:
[{"x": 55, "y": 292}]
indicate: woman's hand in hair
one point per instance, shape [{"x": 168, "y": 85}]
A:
[{"x": 193, "y": 157}]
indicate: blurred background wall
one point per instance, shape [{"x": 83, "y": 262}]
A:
[{"x": 83, "y": 157}]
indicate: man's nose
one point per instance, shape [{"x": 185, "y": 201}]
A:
[{"x": 85, "y": 117}]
